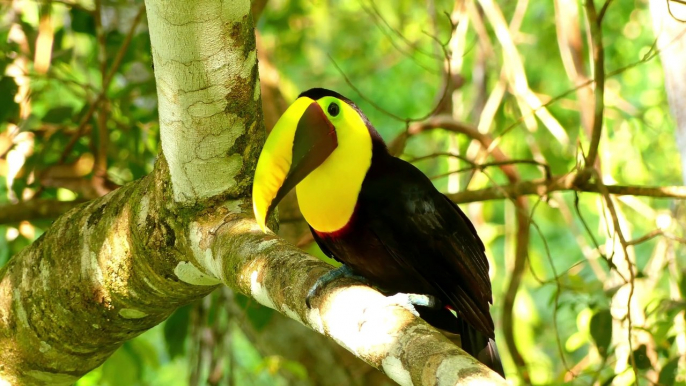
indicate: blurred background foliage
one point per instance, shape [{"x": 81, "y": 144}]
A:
[{"x": 78, "y": 118}]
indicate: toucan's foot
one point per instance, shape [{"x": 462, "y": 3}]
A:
[
  {"x": 342, "y": 271},
  {"x": 409, "y": 301}
]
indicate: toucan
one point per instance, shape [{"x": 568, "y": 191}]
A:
[{"x": 379, "y": 216}]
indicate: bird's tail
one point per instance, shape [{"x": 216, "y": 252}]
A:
[{"x": 480, "y": 347}]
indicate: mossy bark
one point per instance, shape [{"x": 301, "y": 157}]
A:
[{"x": 102, "y": 274}]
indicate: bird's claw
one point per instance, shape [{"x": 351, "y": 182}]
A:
[
  {"x": 342, "y": 271},
  {"x": 409, "y": 301},
  {"x": 314, "y": 291}
]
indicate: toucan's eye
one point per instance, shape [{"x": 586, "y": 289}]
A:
[{"x": 334, "y": 109}]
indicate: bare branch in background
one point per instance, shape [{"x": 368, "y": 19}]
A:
[
  {"x": 630, "y": 266},
  {"x": 598, "y": 54},
  {"x": 516, "y": 75},
  {"x": 565, "y": 182},
  {"x": 37, "y": 209},
  {"x": 656, "y": 233},
  {"x": 113, "y": 67},
  {"x": 571, "y": 51}
]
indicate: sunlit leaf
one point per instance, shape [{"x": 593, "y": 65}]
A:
[
  {"x": 609, "y": 380},
  {"x": 668, "y": 373},
  {"x": 576, "y": 341}
]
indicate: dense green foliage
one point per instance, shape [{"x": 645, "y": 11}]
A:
[{"x": 88, "y": 123}]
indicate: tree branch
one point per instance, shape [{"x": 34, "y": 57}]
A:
[
  {"x": 542, "y": 187},
  {"x": 359, "y": 318},
  {"x": 571, "y": 52},
  {"x": 105, "y": 85},
  {"x": 327, "y": 363},
  {"x": 38, "y": 209},
  {"x": 595, "y": 25},
  {"x": 446, "y": 122}
]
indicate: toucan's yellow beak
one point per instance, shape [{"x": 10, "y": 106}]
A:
[{"x": 300, "y": 141}]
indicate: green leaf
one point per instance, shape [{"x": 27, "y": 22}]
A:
[
  {"x": 641, "y": 358},
  {"x": 4, "y": 247},
  {"x": 668, "y": 373},
  {"x": 273, "y": 363},
  {"x": 20, "y": 183},
  {"x": 58, "y": 114},
  {"x": 176, "y": 330},
  {"x": 660, "y": 331},
  {"x": 295, "y": 368},
  {"x": 121, "y": 368},
  {"x": 601, "y": 330},
  {"x": 258, "y": 315},
  {"x": 9, "y": 109},
  {"x": 3, "y": 63},
  {"x": 82, "y": 21},
  {"x": 145, "y": 352}
]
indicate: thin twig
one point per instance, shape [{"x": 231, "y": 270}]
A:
[
  {"x": 407, "y": 121},
  {"x": 516, "y": 275},
  {"x": 361, "y": 94},
  {"x": 610, "y": 265},
  {"x": 483, "y": 166},
  {"x": 558, "y": 286},
  {"x": 448, "y": 123},
  {"x": 377, "y": 17},
  {"x": 412, "y": 45},
  {"x": 601, "y": 14},
  {"x": 594, "y": 22},
  {"x": 441, "y": 154},
  {"x": 652, "y": 53},
  {"x": 100, "y": 136},
  {"x": 564, "y": 183},
  {"x": 632, "y": 276},
  {"x": 105, "y": 85},
  {"x": 37, "y": 209},
  {"x": 655, "y": 233},
  {"x": 518, "y": 269}
]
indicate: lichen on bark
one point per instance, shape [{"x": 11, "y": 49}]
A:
[
  {"x": 207, "y": 89},
  {"x": 101, "y": 275}
]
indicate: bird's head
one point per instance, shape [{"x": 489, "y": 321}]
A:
[{"x": 318, "y": 124}]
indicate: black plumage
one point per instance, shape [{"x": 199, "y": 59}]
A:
[{"x": 405, "y": 236}]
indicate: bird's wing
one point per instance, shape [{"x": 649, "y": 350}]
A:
[{"x": 431, "y": 237}]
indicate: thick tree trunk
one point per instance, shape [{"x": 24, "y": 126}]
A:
[{"x": 112, "y": 268}]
